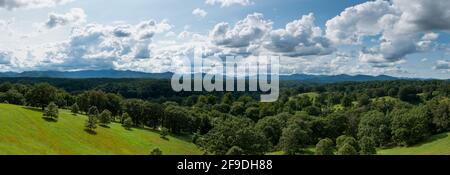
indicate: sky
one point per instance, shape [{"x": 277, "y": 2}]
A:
[{"x": 404, "y": 38}]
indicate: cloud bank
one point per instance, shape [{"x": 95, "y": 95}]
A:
[
  {"x": 16, "y": 4},
  {"x": 403, "y": 27}
]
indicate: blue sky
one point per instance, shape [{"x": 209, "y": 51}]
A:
[{"x": 312, "y": 36}]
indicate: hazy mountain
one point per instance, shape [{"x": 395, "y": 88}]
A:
[
  {"x": 337, "y": 78},
  {"x": 135, "y": 74},
  {"x": 88, "y": 74}
]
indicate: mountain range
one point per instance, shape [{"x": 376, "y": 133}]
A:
[{"x": 135, "y": 74}]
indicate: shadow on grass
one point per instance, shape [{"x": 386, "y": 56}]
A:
[
  {"x": 48, "y": 119},
  {"x": 105, "y": 126},
  {"x": 91, "y": 132},
  {"x": 165, "y": 138},
  {"x": 423, "y": 142},
  {"x": 32, "y": 109},
  {"x": 432, "y": 139},
  {"x": 181, "y": 136}
]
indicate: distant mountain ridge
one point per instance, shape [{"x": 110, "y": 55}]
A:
[
  {"x": 87, "y": 74},
  {"x": 168, "y": 75}
]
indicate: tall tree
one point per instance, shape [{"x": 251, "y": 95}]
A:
[
  {"x": 91, "y": 123},
  {"x": 295, "y": 137},
  {"x": 375, "y": 125},
  {"x": 177, "y": 119},
  {"x": 367, "y": 145},
  {"x": 234, "y": 131},
  {"x": 410, "y": 126},
  {"x": 325, "y": 147},
  {"x": 41, "y": 95},
  {"x": 51, "y": 111},
  {"x": 105, "y": 118},
  {"x": 74, "y": 108}
]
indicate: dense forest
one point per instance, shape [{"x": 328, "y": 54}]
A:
[{"x": 338, "y": 118}]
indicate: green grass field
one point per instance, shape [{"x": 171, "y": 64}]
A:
[
  {"x": 435, "y": 145},
  {"x": 23, "y": 131},
  {"x": 312, "y": 95}
]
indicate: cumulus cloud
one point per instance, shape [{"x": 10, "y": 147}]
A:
[
  {"x": 420, "y": 15},
  {"x": 74, "y": 16},
  {"x": 247, "y": 31},
  {"x": 300, "y": 38},
  {"x": 227, "y": 3},
  {"x": 15, "y": 4},
  {"x": 358, "y": 21},
  {"x": 255, "y": 35},
  {"x": 199, "y": 12},
  {"x": 404, "y": 27},
  {"x": 97, "y": 46},
  {"x": 442, "y": 65}
]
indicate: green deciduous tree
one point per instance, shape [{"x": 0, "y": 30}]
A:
[
  {"x": 234, "y": 131},
  {"x": 13, "y": 96},
  {"x": 363, "y": 100},
  {"x": 440, "y": 111},
  {"x": 346, "y": 101},
  {"x": 156, "y": 152},
  {"x": 127, "y": 121},
  {"x": 347, "y": 149},
  {"x": 410, "y": 126},
  {"x": 41, "y": 95},
  {"x": 347, "y": 140},
  {"x": 375, "y": 125},
  {"x": 91, "y": 122},
  {"x": 105, "y": 118},
  {"x": 272, "y": 128},
  {"x": 295, "y": 137},
  {"x": 75, "y": 109},
  {"x": 51, "y": 111},
  {"x": 177, "y": 119},
  {"x": 325, "y": 147},
  {"x": 252, "y": 113},
  {"x": 367, "y": 145}
]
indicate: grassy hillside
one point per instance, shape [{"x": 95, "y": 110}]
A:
[
  {"x": 435, "y": 145},
  {"x": 24, "y": 131}
]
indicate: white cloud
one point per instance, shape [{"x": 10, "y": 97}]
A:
[
  {"x": 300, "y": 38},
  {"x": 403, "y": 26},
  {"x": 442, "y": 65},
  {"x": 254, "y": 35},
  {"x": 227, "y": 3},
  {"x": 246, "y": 32},
  {"x": 199, "y": 12},
  {"x": 74, "y": 16},
  {"x": 5, "y": 25},
  {"x": 149, "y": 28},
  {"x": 15, "y": 4},
  {"x": 97, "y": 46},
  {"x": 358, "y": 21}
]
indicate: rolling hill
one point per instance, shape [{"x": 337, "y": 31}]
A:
[{"x": 23, "y": 131}]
